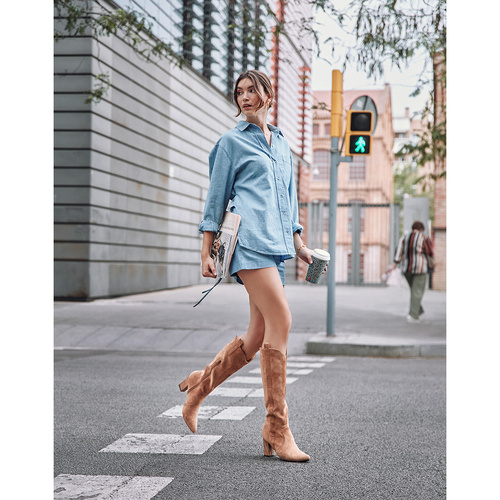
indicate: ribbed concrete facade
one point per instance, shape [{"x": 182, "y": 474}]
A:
[{"x": 131, "y": 172}]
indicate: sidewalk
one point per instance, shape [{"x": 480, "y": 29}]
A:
[{"x": 369, "y": 321}]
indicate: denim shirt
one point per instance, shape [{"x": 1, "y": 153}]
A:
[{"x": 258, "y": 179}]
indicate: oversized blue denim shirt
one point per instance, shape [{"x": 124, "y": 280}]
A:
[{"x": 259, "y": 181}]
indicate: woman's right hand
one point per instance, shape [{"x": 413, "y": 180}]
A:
[{"x": 208, "y": 267}]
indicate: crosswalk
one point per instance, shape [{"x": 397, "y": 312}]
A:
[{"x": 240, "y": 386}]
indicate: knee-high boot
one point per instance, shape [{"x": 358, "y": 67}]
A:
[
  {"x": 200, "y": 384},
  {"x": 276, "y": 432}
]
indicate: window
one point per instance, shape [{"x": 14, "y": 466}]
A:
[
  {"x": 221, "y": 38},
  {"x": 321, "y": 165},
  {"x": 357, "y": 169},
  {"x": 315, "y": 129}
]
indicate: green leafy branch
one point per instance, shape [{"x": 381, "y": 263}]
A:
[{"x": 80, "y": 18}]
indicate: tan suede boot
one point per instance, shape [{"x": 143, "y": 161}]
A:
[
  {"x": 201, "y": 383},
  {"x": 276, "y": 432}
]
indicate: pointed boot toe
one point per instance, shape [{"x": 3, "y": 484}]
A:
[{"x": 200, "y": 384}]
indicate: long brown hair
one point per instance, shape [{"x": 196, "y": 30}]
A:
[{"x": 259, "y": 79}]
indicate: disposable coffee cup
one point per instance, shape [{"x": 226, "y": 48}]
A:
[{"x": 315, "y": 270}]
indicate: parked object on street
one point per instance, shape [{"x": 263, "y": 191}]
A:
[{"x": 411, "y": 256}]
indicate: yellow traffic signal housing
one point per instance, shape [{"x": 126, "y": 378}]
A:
[
  {"x": 337, "y": 104},
  {"x": 358, "y": 139}
]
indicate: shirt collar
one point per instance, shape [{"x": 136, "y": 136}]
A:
[{"x": 243, "y": 125}]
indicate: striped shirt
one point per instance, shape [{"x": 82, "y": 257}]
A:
[{"x": 410, "y": 253}]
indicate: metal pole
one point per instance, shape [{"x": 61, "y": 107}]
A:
[{"x": 332, "y": 236}]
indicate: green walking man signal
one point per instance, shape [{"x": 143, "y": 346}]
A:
[
  {"x": 359, "y": 126},
  {"x": 360, "y": 145}
]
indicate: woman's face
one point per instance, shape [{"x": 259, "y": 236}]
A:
[{"x": 249, "y": 100}]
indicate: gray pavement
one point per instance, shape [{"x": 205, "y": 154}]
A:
[{"x": 370, "y": 321}]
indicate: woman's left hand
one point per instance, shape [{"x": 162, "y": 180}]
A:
[{"x": 305, "y": 254}]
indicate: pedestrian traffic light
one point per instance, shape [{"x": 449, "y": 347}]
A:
[{"x": 359, "y": 126}]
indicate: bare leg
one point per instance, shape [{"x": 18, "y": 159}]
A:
[
  {"x": 267, "y": 294},
  {"x": 254, "y": 337}
]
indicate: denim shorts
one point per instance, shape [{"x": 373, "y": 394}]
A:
[{"x": 243, "y": 258}]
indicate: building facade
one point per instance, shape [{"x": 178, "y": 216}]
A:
[
  {"x": 365, "y": 189},
  {"x": 131, "y": 172},
  {"x": 439, "y": 230}
]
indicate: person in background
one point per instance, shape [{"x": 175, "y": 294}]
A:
[{"x": 411, "y": 256}]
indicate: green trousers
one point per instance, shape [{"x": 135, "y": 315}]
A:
[{"x": 417, "y": 284}]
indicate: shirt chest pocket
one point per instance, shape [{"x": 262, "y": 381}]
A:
[{"x": 284, "y": 170}]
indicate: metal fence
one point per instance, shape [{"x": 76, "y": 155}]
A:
[{"x": 367, "y": 235}]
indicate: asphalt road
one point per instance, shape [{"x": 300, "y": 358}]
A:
[{"x": 375, "y": 428}]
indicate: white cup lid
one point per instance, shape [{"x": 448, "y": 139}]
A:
[{"x": 321, "y": 254}]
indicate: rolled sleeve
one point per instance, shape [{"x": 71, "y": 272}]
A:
[{"x": 221, "y": 175}]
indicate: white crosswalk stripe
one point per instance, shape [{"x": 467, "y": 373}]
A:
[
  {"x": 234, "y": 413},
  {"x": 213, "y": 412},
  {"x": 304, "y": 365},
  {"x": 288, "y": 371},
  {"x": 75, "y": 487},
  {"x": 162, "y": 443},
  {"x": 204, "y": 412},
  {"x": 235, "y": 392},
  {"x": 258, "y": 393},
  {"x": 245, "y": 380},
  {"x": 254, "y": 380},
  {"x": 311, "y": 359},
  {"x": 302, "y": 371}
]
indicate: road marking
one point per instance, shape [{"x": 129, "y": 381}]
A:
[
  {"x": 234, "y": 413},
  {"x": 205, "y": 412},
  {"x": 231, "y": 392},
  {"x": 162, "y": 443},
  {"x": 213, "y": 412},
  {"x": 237, "y": 392},
  {"x": 311, "y": 359},
  {"x": 254, "y": 380},
  {"x": 257, "y": 393},
  {"x": 305, "y": 365},
  {"x": 74, "y": 487},
  {"x": 245, "y": 380},
  {"x": 289, "y": 372}
]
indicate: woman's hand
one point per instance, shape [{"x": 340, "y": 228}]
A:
[
  {"x": 305, "y": 254},
  {"x": 208, "y": 267}
]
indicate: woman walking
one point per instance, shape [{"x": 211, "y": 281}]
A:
[{"x": 251, "y": 165}]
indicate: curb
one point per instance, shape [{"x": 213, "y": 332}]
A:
[{"x": 338, "y": 346}]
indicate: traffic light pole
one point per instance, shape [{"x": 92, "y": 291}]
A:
[
  {"x": 337, "y": 109},
  {"x": 335, "y": 159},
  {"x": 359, "y": 124},
  {"x": 332, "y": 236}
]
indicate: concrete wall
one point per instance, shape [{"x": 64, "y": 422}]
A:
[{"x": 131, "y": 172}]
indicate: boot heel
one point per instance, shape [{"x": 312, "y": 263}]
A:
[
  {"x": 268, "y": 449},
  {"x": 183, "y": 386}
]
